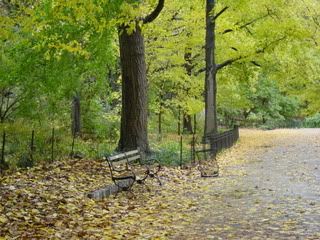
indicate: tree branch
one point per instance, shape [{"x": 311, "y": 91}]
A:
[
  {"x": 258, "y": 51},
  {"x": 262, "y": 50},
  {"x": 255, "y": 63},
  {"x": 255, "y": 20},
  {"x": 201, "y": 70},
  {"x": 9, "y": 107},
  {"x": 220, "y": 13},
  {"x": 152, "y": 16},
  {"x": 227, "y": 63},
  {"x": 245, "y": 25}
]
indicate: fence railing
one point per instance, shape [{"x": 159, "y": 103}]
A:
[
  {"x": 32, "y": 147},
  {"x": 220, "y": 141},
  {"x": 25, "y": 148}
]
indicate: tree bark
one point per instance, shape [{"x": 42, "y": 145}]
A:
[
  {"x": 187, "y": 124},
  {"x": 211, "y": 72},
  {"x": 134, "y": 125},
  {"x": 134, "y": 113},
  {"x": 76, "y": 116}
]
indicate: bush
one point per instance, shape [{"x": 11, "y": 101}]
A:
[
  {"x": 290, "y": 123},
  {"x": 168, "y": 152},
  {"x": 312, "y": 122},
  {"x": 18, "y": 140}
]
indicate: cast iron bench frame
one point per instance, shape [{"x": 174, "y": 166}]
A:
[{"x": 123, "y": 166}]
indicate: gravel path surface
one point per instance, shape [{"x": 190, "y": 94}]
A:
[{"x": 269, "y": 188}]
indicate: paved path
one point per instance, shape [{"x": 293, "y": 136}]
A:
[{"x": 270, "y": 190}]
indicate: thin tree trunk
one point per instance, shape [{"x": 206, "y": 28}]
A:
[
  {"x": 134, "y": 130},
  {"x": 179, "y": 121},
  {"x": 211, "y": 71},
  {"x": 187, "y": 124},
  {"x": 76, "y": 116},
  {"x": 160, "y": 119}
]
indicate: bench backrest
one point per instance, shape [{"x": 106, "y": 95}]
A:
[{"x": 125, "y": 157}]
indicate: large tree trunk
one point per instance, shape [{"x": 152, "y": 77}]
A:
[
  {"x": 76, "y": 117},
  {"x": 211, "y": 71},
  {"x": 134, "y": 113},
  {"x": 134, "y": 127}
]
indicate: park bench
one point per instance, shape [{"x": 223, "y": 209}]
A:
[{"x": 126, "y": 168}]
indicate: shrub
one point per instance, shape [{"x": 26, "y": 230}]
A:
[
  {"x": 168, "y": 152},
  {"x": 312, "y": 122}
]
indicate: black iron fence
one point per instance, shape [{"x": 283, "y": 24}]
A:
[
  {"x": 24, "y": 148},
  {"x": 212, "y": 144},
  {"x": 220, "y": 141}
]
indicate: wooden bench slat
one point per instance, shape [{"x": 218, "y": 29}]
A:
[
  {"x": 119, "y": 162},
  {"x": 115, "y": 157},
  {"x": 130, "y": 159},
  {"x": 125, "y": 160},
  {"x": 122, "y": 155},
  {"x": 136, "y": 151}
]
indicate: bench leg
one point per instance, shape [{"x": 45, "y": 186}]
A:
[
  {"x": 142, "y": 181},
  {"x": 155, "y": 175},
  {"x": 158, "y": 179}
]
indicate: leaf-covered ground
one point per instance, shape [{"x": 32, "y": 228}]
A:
[{"x": 269, "y": 188}]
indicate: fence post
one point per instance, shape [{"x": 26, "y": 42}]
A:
[
  {"x": 193, "y": 150},
  {"x": 221, "y": 143},
  {"x": 179, "y": 121},
  {"x": 195, "y": 124},
  {"x": 233, "y": 136},
  {"x": 236, "y": 133},
  {"x": 72, "y": 145},
  {"x": 180, "y": 150},
  {"x": 32, "y": 145},
  {"x": 52, "y": 144},
  {"x": 236, "y": 129},
  {"x": 227, "y": 140},
  {"x": 3, "y": 164}
]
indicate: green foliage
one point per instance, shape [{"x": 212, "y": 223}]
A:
[
  {"x": 313, "y": 121},
  {"x": 57, "y": 47},
  {"x": 168, "y": 152},
  {"x": 269, "y": 103},
  {"x": 52, "y": 50},
  {"x": 18, "y": 140},
  {"x": 175, "y": 83},
  {"x": 273, "y": 124}
]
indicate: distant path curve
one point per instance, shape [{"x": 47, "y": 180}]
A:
[{"x": 269, "y": 188}]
